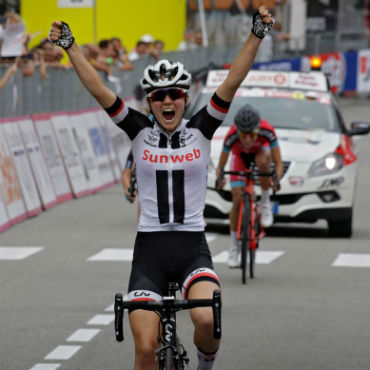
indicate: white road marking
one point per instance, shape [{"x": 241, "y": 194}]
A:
[
  {"x": 45, "y": 367},
  {"x": 210, "y": 237},
  {"x": 113, "y": 254},
  {"x": 101, "y": 320},
  {"x": 262, "y": 257},
  {"x": 126, "y": 254},
  {"x": 83, "y": 335},
  {"x": 18, "y": 253},
  {"x": 352, "y": 260},
  {"x": 110, "y": 308},
  {"x": 62, "y": 353}
]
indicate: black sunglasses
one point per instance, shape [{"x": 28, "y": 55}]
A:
[{"x": 160, "y": 95}]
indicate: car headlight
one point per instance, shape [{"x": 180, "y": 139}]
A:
[{"x": 327, "y": 165}]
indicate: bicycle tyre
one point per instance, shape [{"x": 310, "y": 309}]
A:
[
  {"x": 252, "y": 251},
  {"x": 245, "y": 239},
  {"x": 169, "y": 359}
]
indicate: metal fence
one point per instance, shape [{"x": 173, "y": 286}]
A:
[{"x": 64, "y": 92}]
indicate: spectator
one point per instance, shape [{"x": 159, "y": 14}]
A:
[
  {"x": 188, "y": 42},
  {"x": 121, "y": 56},
  {"x": 143, "y": 48},
  {"x": 105, "y": 60},
  {"x": 12, "y": 36},
  {"x": 9, "y": 73},
  {"x": 52, "y": 55},
  {"x": 198, "y": 39},
  {"x": 158, "y": 45}
]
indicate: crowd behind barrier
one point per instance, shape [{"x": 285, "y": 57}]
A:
[{"x": 56, "y": 143}]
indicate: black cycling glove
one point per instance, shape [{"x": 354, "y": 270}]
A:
[
  {"x": 66, "y": 39},
  {"x": 260, "y": 28}
]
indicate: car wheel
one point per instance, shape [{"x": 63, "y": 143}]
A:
[{"x": 342, "y": 227}]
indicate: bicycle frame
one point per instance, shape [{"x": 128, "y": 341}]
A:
[
  {"x": 172, "y": 355},
  {"x": 250, "y": 195}
]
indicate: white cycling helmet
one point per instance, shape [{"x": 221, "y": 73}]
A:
[{"x": 165, "y": 74}]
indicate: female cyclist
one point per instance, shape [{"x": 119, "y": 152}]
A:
[{"x": 171, "y": 156}]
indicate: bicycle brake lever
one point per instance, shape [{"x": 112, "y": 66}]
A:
[
  {"x": 216, "y": 308},
  {"x": 118, "y": 317}
]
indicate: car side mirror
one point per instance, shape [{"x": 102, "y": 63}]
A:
[{"x": 359, "y": 128}]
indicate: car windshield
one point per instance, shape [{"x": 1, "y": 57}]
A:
[{"x": 298, "y": 113}]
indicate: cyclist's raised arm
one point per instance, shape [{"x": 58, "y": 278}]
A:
[
  {"x": 262, "y": 24},
  {"x": 61, "y": 35}
]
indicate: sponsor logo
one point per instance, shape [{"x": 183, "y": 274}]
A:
[
  {"x": 142, "y": 294},
  {"x": 296, "y": 180},
  {"x": 168, "y": 331},
  {"x": 176, "y": 158},
  {"x": 197, "y": 272},
  {"x": 329, "y": 183}
]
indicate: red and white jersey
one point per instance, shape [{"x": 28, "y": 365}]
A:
[
  {"x": 171, "y": 168},
  {"x": 266, "y": 139}
]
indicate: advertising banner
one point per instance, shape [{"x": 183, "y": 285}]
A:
[
  {"x": 38, "y": 164},
  {"x": 4, "y": 221},
  {"x": 70, "y": 154},
  {"x": 87, "y": 155},
  {"x": 104, "y": 123},
  {"x": 53, "y": 157},
  {"x": 363, "y": 71},
  {"x": 10, "y": 189},
  {"x": 22, "y": 166},
  {"x": 121, "y": 142},
  {"x": 101, "y": 155}
]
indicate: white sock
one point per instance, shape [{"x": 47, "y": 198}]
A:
[
  {"x": 234, "y": 240},
  {"x": 206, "y": 360},
  {"x": 265, "y": 197}
]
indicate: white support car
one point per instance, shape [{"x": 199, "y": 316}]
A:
[{"x": 317, "y": 149}]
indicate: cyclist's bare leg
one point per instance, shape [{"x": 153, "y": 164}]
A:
[
  {"x": 263, "y": 160},
  {"x": 234, "y": 213},
  {"x": 202, "y": 318},
  {"x": 144, "y": 326}
]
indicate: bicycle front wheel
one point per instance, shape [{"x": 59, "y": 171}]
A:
[
  {"x": 253, "y": 245},
  {"x": 169, "y": 359},
  {"x": 245, "y": 239}
]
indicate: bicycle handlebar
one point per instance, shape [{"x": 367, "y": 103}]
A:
[
  {"x": 250, "y": 174},
  {"x": 165, "y": 306}
]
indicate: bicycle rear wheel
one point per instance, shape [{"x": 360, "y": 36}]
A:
[{"x": 245, "y": 239}]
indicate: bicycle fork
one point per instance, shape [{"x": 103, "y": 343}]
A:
[{"x": 170, "y": 354}]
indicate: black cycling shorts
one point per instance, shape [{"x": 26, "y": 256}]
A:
[{"x": 168, "y": 256}]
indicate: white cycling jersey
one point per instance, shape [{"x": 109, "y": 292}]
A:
[{"x": 171, "y": 169}]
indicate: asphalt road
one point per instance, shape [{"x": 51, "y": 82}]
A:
[{"x": 302, "y": 311}]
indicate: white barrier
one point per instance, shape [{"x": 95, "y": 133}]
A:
[
  {"x": 70, "y": 154},
  {"x": 101, "y": 154},
  {"x": 22, "y": 166},
  {"x": 38, "y": 164},
  {"x": 53, "y": 157},
  {"x": 9, "y": 186},
  {"x": 47, "y": 159},
  {"x": 77, "y": 121},
  {"x": 103, "y": 125}
]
